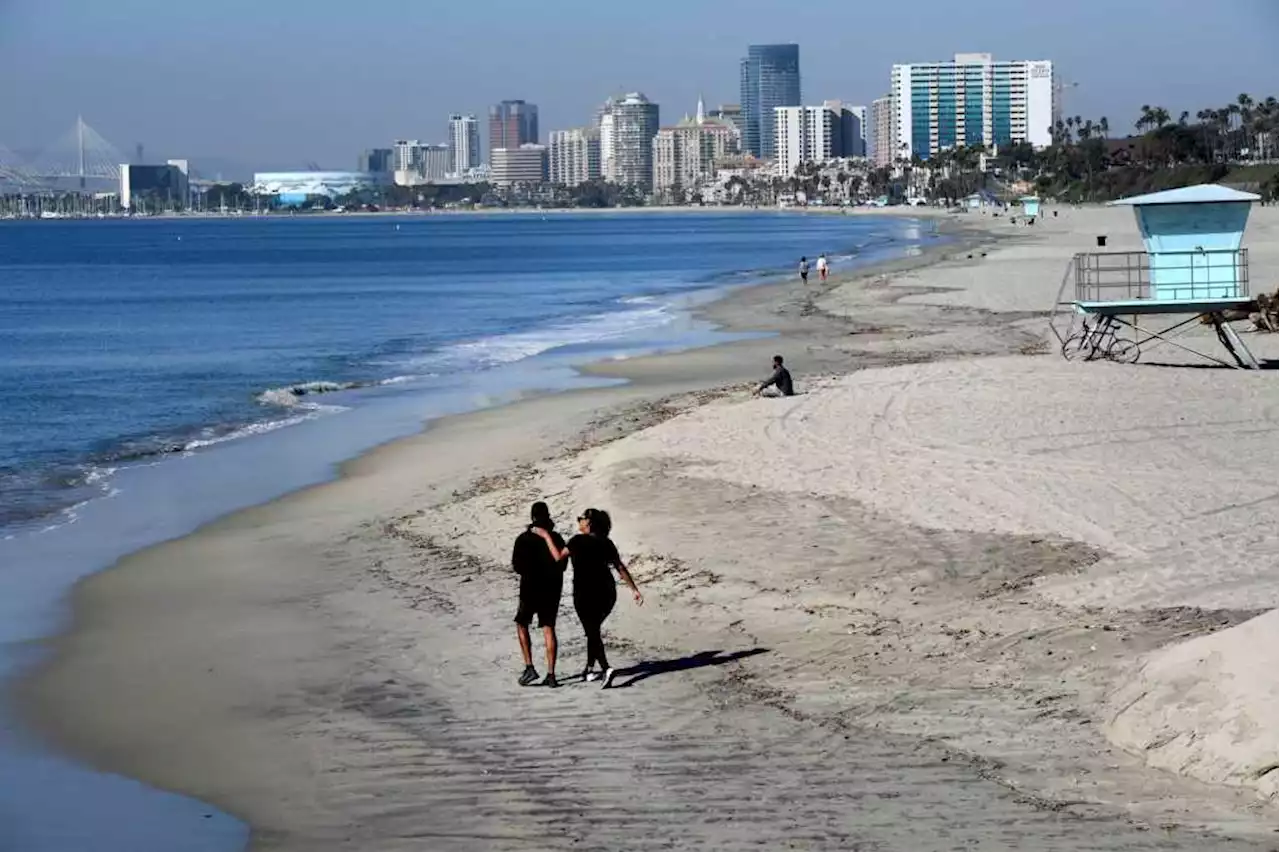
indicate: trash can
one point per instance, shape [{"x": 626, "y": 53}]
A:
[{"x": 1102, "y": 240}]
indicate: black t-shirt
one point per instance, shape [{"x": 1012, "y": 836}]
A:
[
  {"x": 531, "y": 559},
  {"x": 594, "y": 559}
]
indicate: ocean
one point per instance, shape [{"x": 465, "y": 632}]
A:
[{"x": 157, "y": 374}]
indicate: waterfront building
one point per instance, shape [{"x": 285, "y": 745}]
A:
[
  {"x": 770, "y": 78},
  {"x": 972, "y": 100},
  {"x": 604, "y": 125},
  {"x": 512, "y": 124},
  {"x": 687, "y": 155},
  {"x": 634, "y": 123},
  {"x": 574, "y": 156},
  {"x": 814, "y": 134},
  {"x": 855, "y": 137},
  {"x": 166, "y": 185},
  {"x": 294, "y": 188},
  {"x": 377, "y": 160},
  {"x": 464, "y": 143},
  {"x": 417, "y": 162},
  {"x": 880, "y": 133},
  {"x": 526, "y": 164}
]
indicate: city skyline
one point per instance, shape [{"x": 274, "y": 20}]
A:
[{"x": 240, "y": 104}]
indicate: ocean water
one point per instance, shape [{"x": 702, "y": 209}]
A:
[{"x": 156, "y": 374}]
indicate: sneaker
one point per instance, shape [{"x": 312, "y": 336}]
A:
[
  {"x": 589, "y": 675},
  {"x": 529, "y": 676},
  {"x": 550, "y": 680},
  {"x": 608, "y": 678}
]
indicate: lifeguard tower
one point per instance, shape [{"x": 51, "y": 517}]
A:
[
  {"x": 1192, "y": 267},
  {"x": 1030, "y": 206}
]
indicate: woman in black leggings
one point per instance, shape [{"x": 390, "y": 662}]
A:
[{"x": 595, "y": 558}]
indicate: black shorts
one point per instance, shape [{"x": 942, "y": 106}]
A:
[{"x": 546, "y": 607}]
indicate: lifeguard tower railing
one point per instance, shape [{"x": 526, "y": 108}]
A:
[{"x": 1181, "y": 276}]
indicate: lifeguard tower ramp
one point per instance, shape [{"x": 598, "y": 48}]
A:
[{"x": 1193, "y": 272}]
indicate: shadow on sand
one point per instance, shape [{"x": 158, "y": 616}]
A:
[{"x": 632, "y": 675}]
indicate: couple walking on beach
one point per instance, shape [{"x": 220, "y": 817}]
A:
[
  {"x": 540, "y": 556},
  {"x": 823, "y": 268}
]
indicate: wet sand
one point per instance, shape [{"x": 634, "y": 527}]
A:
[{"x": 888, "y": 613}]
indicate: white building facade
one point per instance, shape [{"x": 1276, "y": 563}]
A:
[
  {"x": 464, "y": 144},
  {"x": 804, "y": 134},
  {"x": 574, "y": 156},
  {"x": 418, "y": 163},
  {"x": 972, "y": 100},
  {"x": 524, "y": 165}
]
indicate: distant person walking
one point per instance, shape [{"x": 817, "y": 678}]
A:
[
  {"x": 541, "y": 582},
  {"x": 780, "y": 379},
  {"x": 595, "y": 592},
  {"x": 804, "y": 270},
  {"x": 822, "y": 267}
]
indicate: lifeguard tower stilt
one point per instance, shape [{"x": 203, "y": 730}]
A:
[{"x": 1193, "y": 267}]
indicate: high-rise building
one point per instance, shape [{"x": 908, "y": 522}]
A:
[
  {"x": 731, "y": 113},
  {"x": 604, "y": 124},
  {"x": 464, "y": 143},
  {"x": 526, "y": 164},
  {"x": 855, "y": 142},
  {"x": 634, "y": 123},
  {"x": 805, "y": 134},
  {"x": 512, "y": 124},
  {"x": 770, "y": 76},
  {"x": 574, "y": 156},
  {"x": 379, "y": 160},
  {"x": 687, "y": 154},
  {"x": 880, "y": 133},
  {"x": 416, "y": 162},
  {"x": 972, "y": 100},
  {"x": 849, "y": 136}
]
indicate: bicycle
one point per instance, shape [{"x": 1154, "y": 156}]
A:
[{"x": 1100, "y": 341}]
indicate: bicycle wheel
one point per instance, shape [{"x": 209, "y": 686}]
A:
[
  {"x": 1123, "y": 351},
  {"x": 1079, "y": 347}
]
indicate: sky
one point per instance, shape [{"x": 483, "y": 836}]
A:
[{"x": 281, "y": 83}]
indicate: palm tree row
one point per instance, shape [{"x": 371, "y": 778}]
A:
[{"x": 1245, "y": 129}]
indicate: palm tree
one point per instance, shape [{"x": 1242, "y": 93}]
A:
[
  {"x": 1160, "y": 117},
  {"x": 1182, "y": 119},
  {"x": 1145, "y": 120},
  {"x": 1104, "y": 126}
]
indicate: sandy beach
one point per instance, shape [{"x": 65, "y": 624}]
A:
[{"x": 957, "y": 594}]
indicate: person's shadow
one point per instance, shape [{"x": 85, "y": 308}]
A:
[{"x": 649, "y": 668}]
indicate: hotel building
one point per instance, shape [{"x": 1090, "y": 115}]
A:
[{"x": 969, "y": 101}]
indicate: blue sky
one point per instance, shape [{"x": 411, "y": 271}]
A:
[{"x": 281, "y": 82}]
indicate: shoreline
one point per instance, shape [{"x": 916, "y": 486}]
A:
[
  {"x": 606, "y": 369},
  {"x": 864, "y": 621}
]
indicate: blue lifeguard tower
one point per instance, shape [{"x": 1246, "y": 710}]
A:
[
  {"x": 1030, "y": 206},
  {"x": 1193, "y": 265}
]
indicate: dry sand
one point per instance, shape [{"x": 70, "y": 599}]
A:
[{"x": 901, "y": 611}]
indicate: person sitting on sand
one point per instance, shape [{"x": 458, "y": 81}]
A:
[
  {"x": 822, "y": 267},
  {"x": 541, "y": 581},
  {"x": 595, "y": 592},
  {"x": 780, "y": 379},
  {"x": 804, "y": 270}
]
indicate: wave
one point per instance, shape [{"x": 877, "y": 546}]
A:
[{"x": 498, "y": 350}]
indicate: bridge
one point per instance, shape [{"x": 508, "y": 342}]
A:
[{"x": 80, "y": 157}]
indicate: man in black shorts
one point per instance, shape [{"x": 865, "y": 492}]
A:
[{"x": 541, "y": 579}]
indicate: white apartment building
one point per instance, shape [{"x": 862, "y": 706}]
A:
[
  {"x": 804, "y": 134},
  {"x": 574, "y": 156},
  {"x": 524, "y": 165},
  {"x": 971, "y": 100},
  {"x": 464, "y": 143},
  {"x": 416, "y": 163}
]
